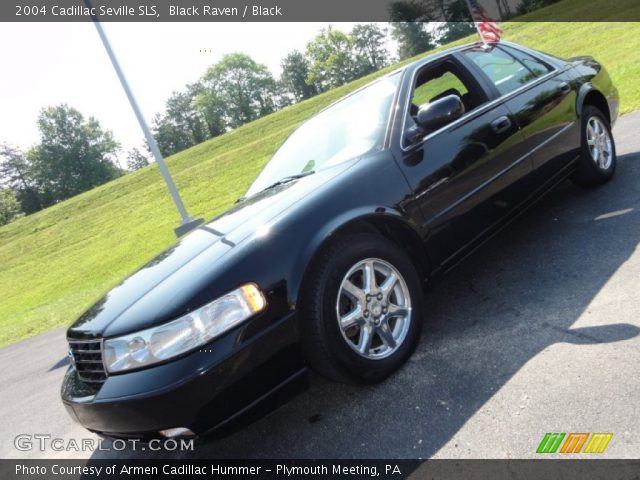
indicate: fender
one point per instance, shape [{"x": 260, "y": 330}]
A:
[
  {"x": 582, "y": 94},
  {"x": 606, "y": 102},
  {"x": 371, "y": 214}
]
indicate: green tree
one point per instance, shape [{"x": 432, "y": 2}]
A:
[
  {"x": 9, "y": 206},
  {"x": 369, "y": 44},
  {"x": 211, "y": 107},
  {"x": 295, "y": 70},
  {"x": 136, "y": 159},
  {"x": 74, "y": 154},
  {"x": 408, "y": 29},
  {"x": 331, "y": 57},
  {"x": 16, "y": 174},
  {"x": 180, "y": 109},
  {"x": 412, "y": 39},
  {"x": 451, "y": 31},
  {"x": 169, "y": 136},
  {"x": 182, "y": 125},
  {"x": 456, "y": 13},
  {"x": 240, "y": 88}
]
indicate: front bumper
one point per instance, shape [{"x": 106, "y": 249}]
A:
[{"x": 201, "y": 391}]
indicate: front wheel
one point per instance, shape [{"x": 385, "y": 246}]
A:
[
  {"x": 362, "y": 310},
  {"x": 597, "y": 161}
]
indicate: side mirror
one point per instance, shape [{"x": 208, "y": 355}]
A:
[{"x": 434, "y": 115}]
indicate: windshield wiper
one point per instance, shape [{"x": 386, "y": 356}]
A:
[
  {"x": 288, "y": 179},
  {"x": 282, "y": 181}
]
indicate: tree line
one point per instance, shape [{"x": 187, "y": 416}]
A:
[
  {"x": 237, "y": 89},
  {"x": 76, "y": 154}
]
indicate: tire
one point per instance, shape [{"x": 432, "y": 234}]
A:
[
  {"x": 597, "y": 161},
  {"x": 391, "y": 314}
]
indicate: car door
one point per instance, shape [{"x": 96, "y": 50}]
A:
[
  {"x": 459, "y": 174},
  {"x": 542, "y": 99}
]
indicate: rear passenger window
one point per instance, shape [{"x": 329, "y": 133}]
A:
[
  {"x": 507, "y": 72},
  {"x": 537, "y": 67}
]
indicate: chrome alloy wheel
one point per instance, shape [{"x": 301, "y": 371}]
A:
[
  {"x": 374, "y": 308},
  {"x": 599, "y": 143}
]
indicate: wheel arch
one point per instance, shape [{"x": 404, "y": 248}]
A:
[
  {"x": 589, "y": 95},
  {"x": 388, "y": 223}
]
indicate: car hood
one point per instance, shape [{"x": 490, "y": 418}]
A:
[{"x": 159, "y": 291}]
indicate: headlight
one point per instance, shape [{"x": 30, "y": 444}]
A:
[{"x": 184, "y": 334}]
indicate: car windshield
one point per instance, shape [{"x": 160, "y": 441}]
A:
[{"x": 346, "y": 130}]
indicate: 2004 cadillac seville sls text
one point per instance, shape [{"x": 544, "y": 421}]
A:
[{"x": 322, "y": 263}]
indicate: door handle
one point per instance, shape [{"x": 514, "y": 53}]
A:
[
  {"x": 564, "y": 87},
  {"x": 501, "y": 124}
]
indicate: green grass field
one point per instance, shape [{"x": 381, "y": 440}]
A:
[{"x": 55, "y": 263}]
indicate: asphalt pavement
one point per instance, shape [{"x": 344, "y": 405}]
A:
[{"x": 537, "y": 332}]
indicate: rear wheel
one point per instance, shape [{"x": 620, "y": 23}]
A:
[
  {"x": 362, "y": 310},
  {"x": 597, "y": 161}
]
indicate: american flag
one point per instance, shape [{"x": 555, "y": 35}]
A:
[{"x": 487, "y": 27}]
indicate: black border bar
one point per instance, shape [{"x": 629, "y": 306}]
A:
[
  {"x": 313, "y": 10},
  {"x": 566, "y": 469}
]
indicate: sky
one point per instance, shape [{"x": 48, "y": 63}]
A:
[{"x": 51, "y": 63}]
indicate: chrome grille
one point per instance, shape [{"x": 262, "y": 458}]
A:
[{"x": 86, "y": 357}]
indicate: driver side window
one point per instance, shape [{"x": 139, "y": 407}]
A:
[
  {"x": 435, "y": 88},
  {"x": 433, "y": 83}
]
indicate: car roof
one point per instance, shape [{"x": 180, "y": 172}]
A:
[
  {"x": 433, "y": 56},
  {"x": 421, "y": 61},
  {"x": 429, "y": 57}
]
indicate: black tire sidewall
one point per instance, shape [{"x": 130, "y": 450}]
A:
[{"x": 343, "y": 357}]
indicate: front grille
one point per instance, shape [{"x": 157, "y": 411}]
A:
[{"x": 87, "y": 359}]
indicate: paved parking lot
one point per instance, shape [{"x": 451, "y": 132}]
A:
[{"x": 537, "y": 332}]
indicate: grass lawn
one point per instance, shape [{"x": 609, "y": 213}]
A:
[{"x": 56, "y": 263}]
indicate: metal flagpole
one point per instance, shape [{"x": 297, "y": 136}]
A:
[{"x": 187, "y": 223}]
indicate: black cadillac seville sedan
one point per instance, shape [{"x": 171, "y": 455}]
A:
[{"x": 322, "y": 263}]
